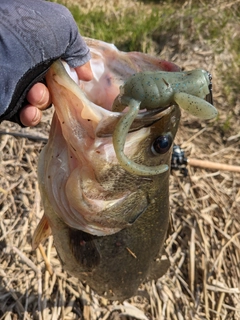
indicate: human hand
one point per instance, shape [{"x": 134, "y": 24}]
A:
[
  {"x": 34, "y": 35},
  {"x": 39, "y": 98}
]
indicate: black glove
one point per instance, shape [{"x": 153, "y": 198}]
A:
[{"x": 33, "y": 33}]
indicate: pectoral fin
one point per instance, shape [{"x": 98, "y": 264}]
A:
[{"x": 42, "y": 232}]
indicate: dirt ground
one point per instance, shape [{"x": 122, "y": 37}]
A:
[{"x": 203, "y": 281}]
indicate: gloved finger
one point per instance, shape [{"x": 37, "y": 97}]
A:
[{"x": 84, "y": 72}]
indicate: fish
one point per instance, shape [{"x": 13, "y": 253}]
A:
[{"x": 109, "y": 225}]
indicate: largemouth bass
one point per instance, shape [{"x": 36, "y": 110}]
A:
[{"x": 109, "y": 225}]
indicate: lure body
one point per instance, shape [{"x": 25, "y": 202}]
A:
[{"x": 159, "y": 90}]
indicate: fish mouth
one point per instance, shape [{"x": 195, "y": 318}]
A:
[
  {"x": 103, "y": 120},
  {"x": 80, "y": 166}
]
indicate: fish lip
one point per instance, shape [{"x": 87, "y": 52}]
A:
[
  {"x": 154, "y": 115},
  {"x": 163, "y": 111},
  {"x": 143, "y": 120}
]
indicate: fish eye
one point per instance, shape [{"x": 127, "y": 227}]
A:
[{"x": 162, "y": 144}]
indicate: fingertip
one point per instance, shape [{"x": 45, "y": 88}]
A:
[
  {"x": 30, "y": 116},
  {"x": 39, "y": 96}
]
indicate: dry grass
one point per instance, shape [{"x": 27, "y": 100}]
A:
[{"x": 203, "y": 281}]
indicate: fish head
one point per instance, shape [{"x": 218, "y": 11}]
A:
[{"x": 78, "y": 167}]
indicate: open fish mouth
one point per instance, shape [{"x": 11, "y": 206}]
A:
[
  {"x": 81, "y": 158},
  {"x": 103, "y": 119}
]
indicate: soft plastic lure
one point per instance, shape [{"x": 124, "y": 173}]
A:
[{"x": 159, "y": 90}]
